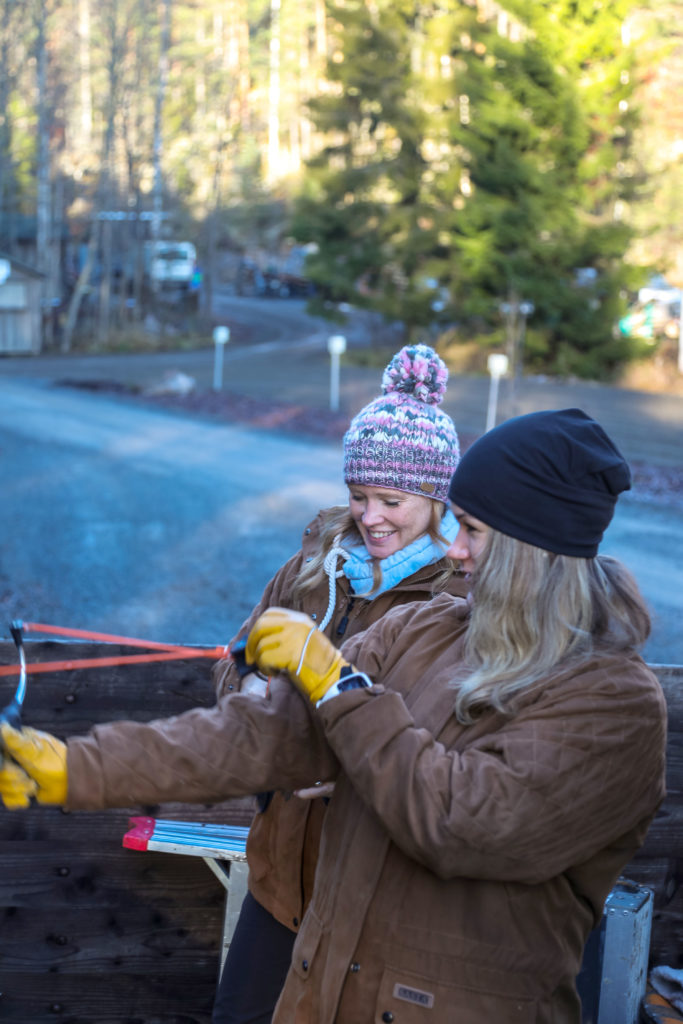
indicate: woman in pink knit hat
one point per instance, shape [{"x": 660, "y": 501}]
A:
[{"x": 383, "y": 549}]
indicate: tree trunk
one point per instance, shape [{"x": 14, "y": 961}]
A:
[
  {"x": 44, "y": 251},
  {"x": 273, "y": 167},
  {"x": 79, "y": 292},
  {"x": 158, "y": 190},
  {"x": 165, "y": 15},
  {"x": 104, "y": 316},
  {"x": 85, "y": 83},
  {"x": 6, "y": 163}
]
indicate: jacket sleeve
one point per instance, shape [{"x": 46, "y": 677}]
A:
[
  {"x": 224, "y": 675},
  {"x": 243, "y": 745},
  {"x": 567, "y": 776}
]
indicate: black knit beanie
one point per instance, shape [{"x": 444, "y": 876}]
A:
[{"x": 548, "y": 478}]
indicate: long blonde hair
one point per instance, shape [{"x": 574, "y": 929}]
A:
[
  {"x": 535, "y": 612},
  {"x": 339, "y": 524}
]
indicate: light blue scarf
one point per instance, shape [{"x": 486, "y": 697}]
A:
[{"x": 397, "y": 567}]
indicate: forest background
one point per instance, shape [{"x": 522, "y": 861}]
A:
[{"x": 485, "y": 174}]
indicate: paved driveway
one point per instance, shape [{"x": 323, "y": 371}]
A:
[{"x": 147, "y": 523}]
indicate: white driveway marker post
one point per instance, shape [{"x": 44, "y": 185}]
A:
[
  {"x": 497, "y": 366},
  {"x": 221, "y": 336},
  {"x": 336, "y": 344}
]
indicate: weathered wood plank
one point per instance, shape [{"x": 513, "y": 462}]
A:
[
  {"x": 51, "y": 879},
  {"x": 108, "y": 827},
  {"x": 115, "y": 997},
  {"x": 86, "y": 939}
]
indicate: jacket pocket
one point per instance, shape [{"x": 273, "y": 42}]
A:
[{"x": 413, "y": 999}]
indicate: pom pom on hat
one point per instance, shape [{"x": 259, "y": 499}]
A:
[
  {"x": 402, "y": 439},
  {"x": 417, "y": 370}
]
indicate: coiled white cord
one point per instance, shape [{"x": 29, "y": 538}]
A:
[{"x": 333, "y": 574}]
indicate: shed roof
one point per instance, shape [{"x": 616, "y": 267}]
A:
[{"x": 24, "y": 268}]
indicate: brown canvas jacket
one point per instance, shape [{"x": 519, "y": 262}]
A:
[
  {"x": 461, "y": 867},
  {"x": 282, "y": 848}
]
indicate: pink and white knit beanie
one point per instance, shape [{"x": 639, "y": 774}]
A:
[{"x": 402, "y": 439}]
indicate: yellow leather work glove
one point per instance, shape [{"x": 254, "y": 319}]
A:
[
  {"x": 287, "y": 641},
  {"x": 43, "y": 758},
  {"x": 16, "y": 787}
]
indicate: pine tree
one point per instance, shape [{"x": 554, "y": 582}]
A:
[
  {"x": 546, "y": 137},
  {"x": 505, "y": 189},
  {"x": 589, "y": 43},
  {"x": 361, "y": 204},
  {"x": 473, "y": 165}
]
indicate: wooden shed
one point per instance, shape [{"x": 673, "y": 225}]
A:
[
  {"x": 20, "y": 307},
  {"x": 93, "y": 933}
]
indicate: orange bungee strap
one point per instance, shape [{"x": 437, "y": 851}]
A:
[{"x": 162, "y": 651}]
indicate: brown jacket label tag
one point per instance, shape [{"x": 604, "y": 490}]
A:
[{"x": 413, "y": 995}]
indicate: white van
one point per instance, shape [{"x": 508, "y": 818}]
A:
[{"x": 171, "y": 264}]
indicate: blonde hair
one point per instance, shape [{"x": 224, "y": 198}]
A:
[
  {"x": 535, "y": 612},
  {"x": 339, "y": 523}
]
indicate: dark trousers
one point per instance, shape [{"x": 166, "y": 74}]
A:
[{"x": 255, "y": 968}]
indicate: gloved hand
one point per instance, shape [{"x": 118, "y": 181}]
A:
[
  {"x": 16, "y": 787},
  {"x": 43, "y": 758},
  {"x": 287, "y": 641}
]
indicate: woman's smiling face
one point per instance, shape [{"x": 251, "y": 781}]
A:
[{"x": 388, "y": 520}]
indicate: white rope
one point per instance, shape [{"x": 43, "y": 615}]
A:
[
  {"x": 303, "y": 651},
  {"x": 333, "y": 574}
]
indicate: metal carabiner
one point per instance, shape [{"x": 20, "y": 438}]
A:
[{"x": 11, "y": 713}]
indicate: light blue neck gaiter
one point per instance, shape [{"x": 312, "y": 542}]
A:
[{"x": 397, "y": 567}]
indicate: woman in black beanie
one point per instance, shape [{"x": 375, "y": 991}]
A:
[
  {"x": 497, "y": 761},
  {"x": 542, "y": 595}
]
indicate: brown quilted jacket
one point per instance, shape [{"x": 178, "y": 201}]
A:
[
  {"x": 282, "y": 848},
  {"x": 461, "y": 867}
]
